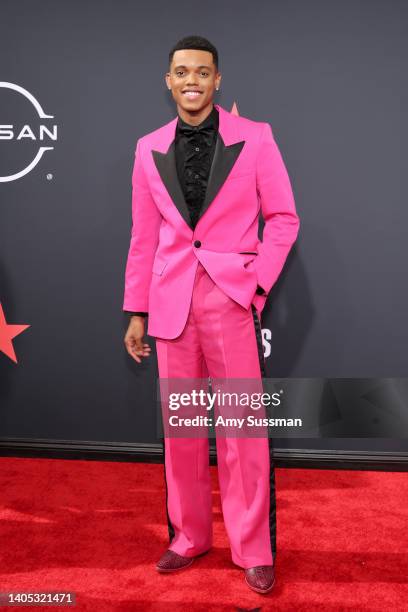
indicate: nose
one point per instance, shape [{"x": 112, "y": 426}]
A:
[{"x": 192, "y": 81}]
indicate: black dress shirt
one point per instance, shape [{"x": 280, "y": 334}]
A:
[
  {"x": 194, "y": 149},
  {"x": 195, "y": 146}
]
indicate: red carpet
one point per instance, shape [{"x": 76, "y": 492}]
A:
[{"x": 96, "y": 528}]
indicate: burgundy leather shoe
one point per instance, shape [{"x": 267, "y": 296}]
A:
[
  {"x": 261, "y": 578},
  {"x": 171, "y": 562}
]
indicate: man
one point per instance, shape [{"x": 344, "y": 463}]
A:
[{"x": 197, "y": 267}]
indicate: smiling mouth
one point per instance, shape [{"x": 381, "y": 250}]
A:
[{"x": 191, "y": 93}]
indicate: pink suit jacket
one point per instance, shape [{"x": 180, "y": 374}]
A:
[{"x": 247, "y": 176}]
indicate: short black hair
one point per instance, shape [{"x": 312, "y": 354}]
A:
[{"x": 195, "y": 42}]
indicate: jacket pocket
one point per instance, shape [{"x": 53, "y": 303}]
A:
[{"x": 158, "y": 266}]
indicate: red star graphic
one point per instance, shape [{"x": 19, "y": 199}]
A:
[
  {"x": 234, "y": 109},
  {"x": 7, "y": 333}
]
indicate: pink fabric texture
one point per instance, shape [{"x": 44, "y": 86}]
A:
[
  {"x": 162, "y": 258},
  {"x": 219, "y": 341}
]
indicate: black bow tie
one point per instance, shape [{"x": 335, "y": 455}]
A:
[{"x": 190, "y": 130}]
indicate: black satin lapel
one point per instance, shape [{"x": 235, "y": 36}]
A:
[
  {"x": 222, "y": 164},
  {"x": 166, "y": 167}
]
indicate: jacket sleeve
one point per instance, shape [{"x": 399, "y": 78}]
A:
[
  {"x": 146, "y": 220},
  {"x": 278, "y": 210}
]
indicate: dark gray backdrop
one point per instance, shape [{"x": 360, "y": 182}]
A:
[{"x": 330, "y": 79}]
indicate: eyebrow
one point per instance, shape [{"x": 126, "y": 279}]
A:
[{"x": 181, "y": 66}]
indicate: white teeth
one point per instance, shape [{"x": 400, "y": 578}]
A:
[{"x": 191, "y": 93}]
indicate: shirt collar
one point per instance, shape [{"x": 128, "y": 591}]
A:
[{"x": 210, "y": 120}]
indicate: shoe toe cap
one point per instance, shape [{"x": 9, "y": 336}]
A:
[
  {"x": 261, "y": 577},
  {"x": 172, "y": 561}
]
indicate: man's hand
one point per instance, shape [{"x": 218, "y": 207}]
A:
[{"x": 133, "y": 339}]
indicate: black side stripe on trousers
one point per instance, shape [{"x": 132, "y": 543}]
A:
[
  {"x": 272, "y": 487},
  {"x": 169, "y": 523}
]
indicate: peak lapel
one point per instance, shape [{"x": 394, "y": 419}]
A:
[
  {"x": 226, "y": 153},
  {"x": 167, "y": 168}
]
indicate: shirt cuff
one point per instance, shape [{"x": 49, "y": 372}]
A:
[{"x": 139, "y": 314}]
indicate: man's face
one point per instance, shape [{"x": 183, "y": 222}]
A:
[{"x": 193, "y": 70}]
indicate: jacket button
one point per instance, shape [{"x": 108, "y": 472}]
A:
[{"x": 197, "y": 243}]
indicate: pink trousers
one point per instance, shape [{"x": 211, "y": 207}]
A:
[{"x": 221, "y": 339}]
